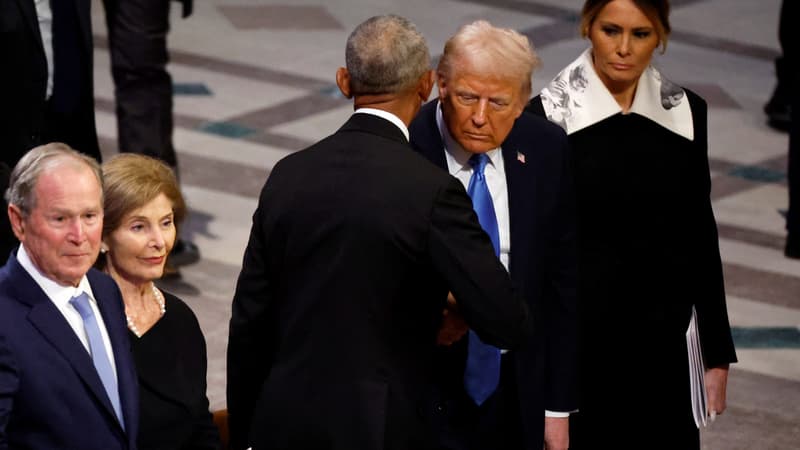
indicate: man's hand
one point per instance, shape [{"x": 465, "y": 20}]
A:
[
  {"x": 556, "y": 433},
  {"x": 716, "y": 385},
  {"x": 453, "y": 326}
]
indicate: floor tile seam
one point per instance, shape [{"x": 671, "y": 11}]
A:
[{"x": 233, "y": 68}]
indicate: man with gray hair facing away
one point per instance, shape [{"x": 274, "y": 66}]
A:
[
  {"x": 355, "y": 243},
  {"x": 516, "y": 167}
]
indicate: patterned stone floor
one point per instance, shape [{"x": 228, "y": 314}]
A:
[{"x": 254, "y": 82}]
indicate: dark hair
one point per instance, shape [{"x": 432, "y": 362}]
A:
[
  {"x": 655, "y": 10},
  {"x": 385, "y": 55}
]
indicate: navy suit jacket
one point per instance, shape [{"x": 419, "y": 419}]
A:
[
  {"x": 50, "y": 394},
  {"x": 543, "y": 262}
]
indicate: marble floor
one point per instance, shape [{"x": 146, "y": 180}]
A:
[{"x": 255, "y": 81}]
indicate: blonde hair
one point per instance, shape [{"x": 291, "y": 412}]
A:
[
  {"x": 133, "y": 180},
  {"x": 483, "y": 48}
]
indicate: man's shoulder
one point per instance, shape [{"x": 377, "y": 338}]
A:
[{"x": 531, "y": 124}]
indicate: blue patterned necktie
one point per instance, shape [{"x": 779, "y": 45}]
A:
[
  {"x": 482, "y": 373},
  {"x": 98, "y": 351}
]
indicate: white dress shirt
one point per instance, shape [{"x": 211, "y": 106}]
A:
[
  {"x": 495, "y": 172},
  {"x": 44, "y": 14},
  {"x": 386, "y": 115},
  {"x": 61, "y": 295}
]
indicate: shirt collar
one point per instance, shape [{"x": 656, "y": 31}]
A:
[
  {"x": 57, "y": 293},
  {"x": 577, "y": 98},
  {"x": 456, "y": 155},
  {"x": 386, "y": 115}
]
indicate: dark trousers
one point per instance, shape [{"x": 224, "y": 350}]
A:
[
  {"x": 137, "y": 32},
  {"x": 496, "y": 423},
  {"x": 788, "y": 37}
]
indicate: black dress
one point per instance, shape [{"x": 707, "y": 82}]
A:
[
  {"x": 171, "y": 363},
  {"x": 648, "y": 251}
]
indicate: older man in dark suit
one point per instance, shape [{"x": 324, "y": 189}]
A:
[
  {"x": 66, "y": 374},
  {"x": 46, "y": 84},
  {"x": 517, "y": 172},
  {"x": 354, "y": 246}
]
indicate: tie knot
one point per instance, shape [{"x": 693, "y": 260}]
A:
[
  {"x": 478, "y": 162},
  {"x": 81, "y": 303}
]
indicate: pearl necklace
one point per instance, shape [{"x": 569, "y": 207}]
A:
[{"x": 159, "y": 299}]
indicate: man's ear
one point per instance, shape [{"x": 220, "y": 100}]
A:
[
  {"x": 343, "y": 81},
  {"x": 425, "y": 85},
  {"x": 441, "y": 85},
  {"x": 17, "y": 221}
]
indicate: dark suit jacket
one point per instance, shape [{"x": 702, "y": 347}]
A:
[
  {"x": 23, "y": 84},
  {"x": 7, "y": 239},
  {"x": 50, "y": 394},
  {"x": 543, "y": 262},
  {"x": 354, "y": 246}
]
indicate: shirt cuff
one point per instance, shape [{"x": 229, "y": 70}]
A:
[{"x": 556, "y": 414}]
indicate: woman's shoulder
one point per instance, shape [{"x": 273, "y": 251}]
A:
[{"x": 179, "y": 310}]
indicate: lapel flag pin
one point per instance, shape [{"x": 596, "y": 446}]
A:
[{"x": 521, "y": 157}]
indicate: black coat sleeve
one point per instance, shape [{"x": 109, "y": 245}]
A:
[{"x": 462, "y": 253}]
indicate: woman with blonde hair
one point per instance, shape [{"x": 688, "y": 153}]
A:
[{"x": 143, "y": 206}]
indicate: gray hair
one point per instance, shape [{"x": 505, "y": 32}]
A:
[
  {"x": 22, "y": 183},
  {"x": 385, "y": 55},
  {"x": 482, "y": 48}
]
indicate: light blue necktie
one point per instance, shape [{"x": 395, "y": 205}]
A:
[
  {"x": 98, "y": 352},
  {"x": 482, "y": 373}
]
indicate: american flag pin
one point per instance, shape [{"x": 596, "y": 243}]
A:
[{"x": 521, "y": 157}]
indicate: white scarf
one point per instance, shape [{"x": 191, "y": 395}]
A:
[{"x": 577, "y": 98}]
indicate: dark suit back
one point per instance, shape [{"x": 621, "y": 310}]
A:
[
  {"x": 543, "y": 265},
  {"x": 354, "y": 245},
  {"x": 50, "y": 393}
]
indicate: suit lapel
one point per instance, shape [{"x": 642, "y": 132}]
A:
[
  {"x": 49, "y": 321},
  {"x": 120, "y": 345},
  {"x": 425, "y": 136},
  {"x": 521, "y": 187},
  {"x": 28, "y": 9}
]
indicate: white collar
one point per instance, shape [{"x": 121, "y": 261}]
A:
[
  {"x": 386, "y": 115},
  {"x": 454, "y": 152},
  {"x": 577, "y": 98},
  {"x": 57, "y": 293}
]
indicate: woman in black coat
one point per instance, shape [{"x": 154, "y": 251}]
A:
[
  {"x": 142, "y": 206},
  {"x": 648, "y": 248}
]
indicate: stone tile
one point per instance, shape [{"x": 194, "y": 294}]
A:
[
  {"x": 750, "y": 236},
  {"x": 279, "y": 140},
  {"x": 191, "y": 89},
  {"x": 761, "y": 285},
  {"x": 714, "y": 95},
  {"x": 754, "y": 214},
  {"x": 280, "y": 17},
  {"x": 288, "y": 111},
  {"x": 760, "y": 174},
  {"x": 726, "y": 185},
  {"x": 766, "y": 337},
  {"x": 744, "y": 312},
  {"x": 227, "y": 177},
  {"x": 763, "y": 413},
  {"x": 227, "y": 129},
  {"x": 545, "y": 35},
  {"x": 724, "y": 45}
]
